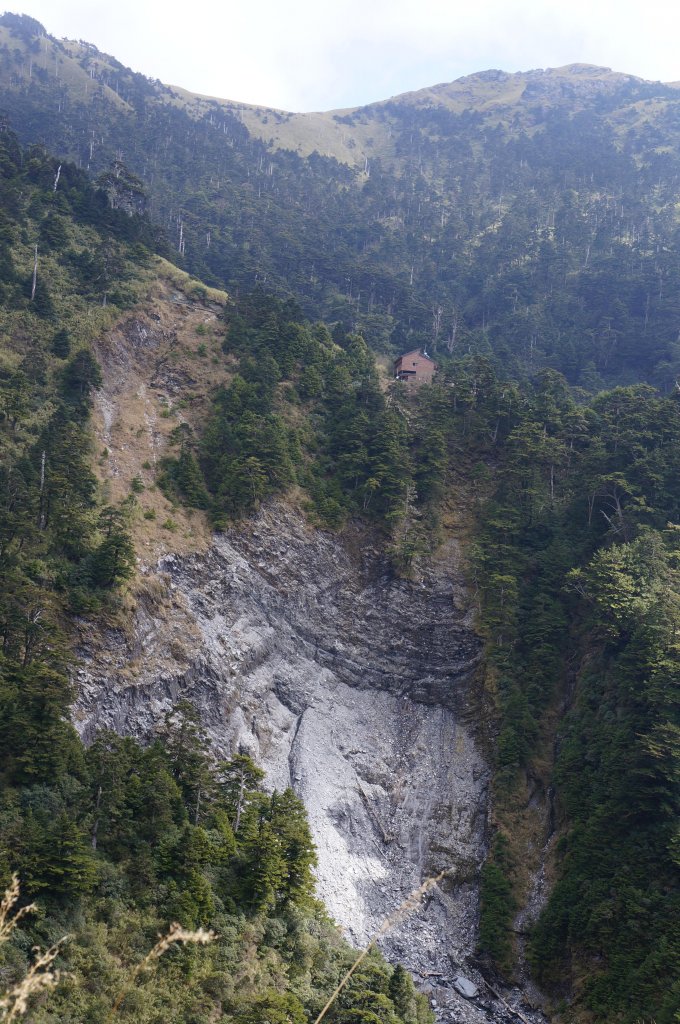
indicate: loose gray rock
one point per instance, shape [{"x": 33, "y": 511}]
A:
[
  {"x": 303, "y": 649},
  {"x": 466, "y": 987}
]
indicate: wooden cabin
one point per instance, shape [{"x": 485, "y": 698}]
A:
[{"x": 414, "y": 367}]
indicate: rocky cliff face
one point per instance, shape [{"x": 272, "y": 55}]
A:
[{"x": 302, "y": 649}]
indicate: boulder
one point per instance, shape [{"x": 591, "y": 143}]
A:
[{"x": 465, "y": 987}]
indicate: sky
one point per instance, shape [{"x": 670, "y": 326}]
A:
[{"x": 328, "y": 54}]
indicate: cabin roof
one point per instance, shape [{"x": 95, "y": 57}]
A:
[{"x": 414, "y": 352}]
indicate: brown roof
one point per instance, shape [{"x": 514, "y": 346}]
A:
[{"x": 414, "y": 352}]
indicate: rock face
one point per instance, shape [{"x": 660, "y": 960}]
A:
[{"x": 348, "y": 684}]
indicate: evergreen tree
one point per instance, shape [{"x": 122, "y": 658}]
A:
[{"x": 61, "y": 344}]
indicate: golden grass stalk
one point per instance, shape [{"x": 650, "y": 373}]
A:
[
  {"x": 403, "y": 910},
  {"x": 39, "y": 978},
  {"x": 14, "y": 1003},
  {"x": 174, "y": 935},
  {"x": 9, "y": 921}
]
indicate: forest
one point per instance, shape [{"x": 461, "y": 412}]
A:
[
  {"x": 543, "y": 237},
  {"x": 541, "y": 268},
  {"x": 576, "y": 564},
  {"x": 117, "y": 840}
]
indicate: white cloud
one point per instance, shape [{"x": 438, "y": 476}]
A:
[{"x": 305, "y": 54}]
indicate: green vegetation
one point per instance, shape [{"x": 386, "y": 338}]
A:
[
  {"x": 302, "y": 409},
  {"x": 116, "y": 841},
  {"x": 60, "y": 548},
  {"x": 531, "y": 221},
  {"x": 497, "y": 904},
  {"x": 534, "y": 252},
  {"x": 577, "y": 568}
]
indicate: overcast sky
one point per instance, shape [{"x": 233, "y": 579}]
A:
[{"x": 323, "y": 54}]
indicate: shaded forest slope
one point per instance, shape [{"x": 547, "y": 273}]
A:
[{"x": 529, "y": 217}]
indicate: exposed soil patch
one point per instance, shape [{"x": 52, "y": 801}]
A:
[{"x": 161, "y": 365}]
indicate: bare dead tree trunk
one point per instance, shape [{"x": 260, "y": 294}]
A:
[
  {"x": 33, "y": 617},
  {"x": 56, "y": 180},
  {"x": 95, "y": 827},
  {"x": 239, "y": 802},
  {"x": 35, "y": 272},
  {"x": 507, "y": 1006},
  {"x": 41, "y": 515},
  {"x": 451, "y": 341},
  {"x": 437, "y": 313}
]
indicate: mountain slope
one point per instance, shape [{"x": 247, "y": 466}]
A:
[
  {"x": 517, "y": 224},
  {"x": 357, "y": 134},
  {"x": 530, "y": 217},
  {"x": 115, "y": 841}
]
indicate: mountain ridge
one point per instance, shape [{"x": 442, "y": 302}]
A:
[
  {"x": 301, "y": 131},
  {"x": 533, "y": 247},
  {"x": 467, "y": 93},
  {"x": 484, "y": 75},
  {"x": 402, "y": 220}
]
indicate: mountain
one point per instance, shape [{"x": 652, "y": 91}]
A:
[
  {"x": 444, "y": 617},
  {"x": 529, "y": 217},
  {"x": 104, "y": 341},
  {"x": 357, "y": 134}
]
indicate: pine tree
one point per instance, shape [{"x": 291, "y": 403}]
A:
[
  {"x": 186, "y": 744},
  {"x": 61, "y": 344},
  {"x": 239, "y": 780}
]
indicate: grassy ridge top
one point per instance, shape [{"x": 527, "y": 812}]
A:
[
  {"x": 353, "y": 135},
  {"x": 527, "y": 216}
]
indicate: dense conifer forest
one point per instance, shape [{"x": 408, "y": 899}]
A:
[
  {"x": 117, "y": 840},
  {"x": 576, "y": 566},
  {"x": 538, "y": 231},
  {"x": 541, "y": 267}
]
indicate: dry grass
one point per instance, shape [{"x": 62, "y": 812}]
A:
[
  {"x": 40, "y": 976},
  {"x": 176, "y": 934},
  {"x": 190, "y": 286},
  {"x": 8, "y": 920},
  {"x": 404, "y": 909},
  {"x": 150, "y": 388},
  {"x": 62, "y": 67}
]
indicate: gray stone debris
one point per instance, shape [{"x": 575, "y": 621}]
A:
[
  {"x": 341, "y": 680},
  {"x": 466, "y": 987}
]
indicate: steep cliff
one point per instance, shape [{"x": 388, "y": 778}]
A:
[
  {"x": 301, "y": 648},
  {"x": 342, "y": 681}
]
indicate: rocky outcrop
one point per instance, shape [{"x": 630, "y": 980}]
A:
[{"x": 303, "y": 649}]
